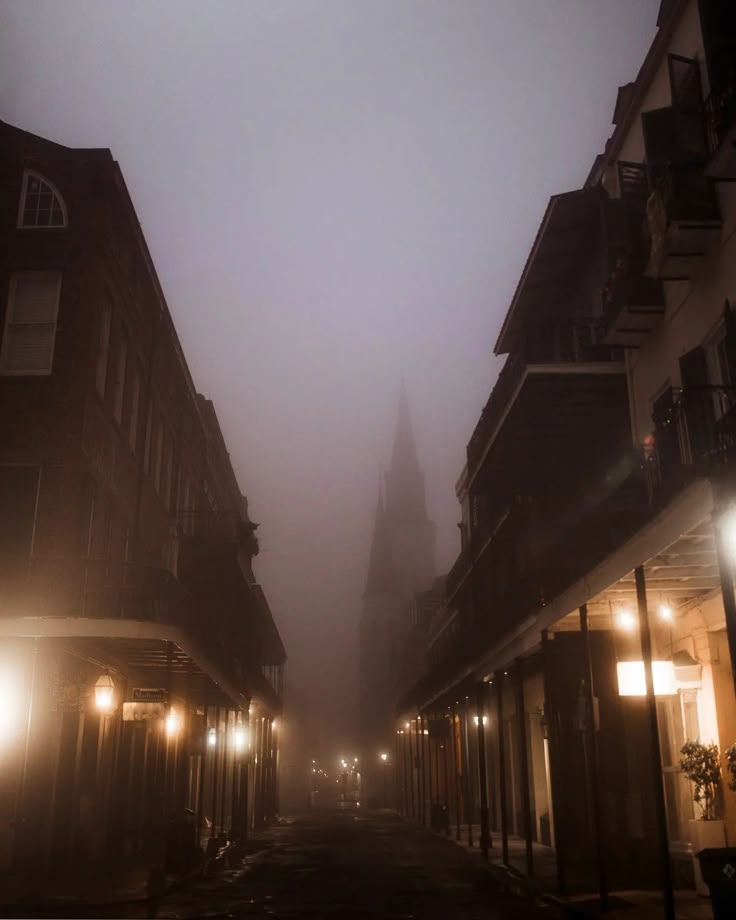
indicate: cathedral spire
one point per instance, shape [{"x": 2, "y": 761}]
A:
[
  {"x": 381, "y": 578},
  {"x": 404, "y": 454}
]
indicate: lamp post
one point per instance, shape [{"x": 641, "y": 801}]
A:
[{"x": 384, "y": 759}]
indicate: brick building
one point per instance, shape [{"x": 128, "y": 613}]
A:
[{"x": 141, "y": 667}]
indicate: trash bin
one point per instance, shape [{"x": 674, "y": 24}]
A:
[{"x": 718, "y": 866}]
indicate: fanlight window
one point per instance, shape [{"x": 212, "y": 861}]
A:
[{"x": 41, "y": 205}]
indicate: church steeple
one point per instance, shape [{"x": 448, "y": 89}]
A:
[
  {"x": 404, "y": 453},
  {"x": 406, "y": 504},
  {"x": 381, "y": 575}
]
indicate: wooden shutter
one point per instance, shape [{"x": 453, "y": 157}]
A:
[
  {"x": 685, "y": 88},
  {"x": 698, "y": 403},
  {"x": 30, "y": 324}
]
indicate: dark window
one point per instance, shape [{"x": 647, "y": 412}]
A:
[
  {"x": 41, "y": 204},
  {"x": 18, "y": 491}
]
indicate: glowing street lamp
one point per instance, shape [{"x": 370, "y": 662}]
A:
[
  {"x": 240, "y": 738},
  {"x": 212, "y": 737},
  {"x": 384, "y": 757},
  {"x": 105, "y": 693},
  {"x": 626, "y": 621},
  {"x": 10, "y": 708},
  {"x": 173, "y": 723}
]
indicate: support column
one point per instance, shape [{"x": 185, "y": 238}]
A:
[
  {"x": 524, "y": 759},
  {"x": 556, "y": 773},
  {"x": 498, "y": 681},
  {"x": 482, "y": 777},
  {"x": 593, "y": 762},
  {"x": 216, "y": 751},
  {"x": 726, "y": 573},
  {"x": 468, "y": 785},
  {"x": 413, "y": 763},
  {"x": 656, "y": 759},
  {"x": 446, "y": 748},
  {"x": 422, "y": 770},
  {"x": 456, "y": 773}
]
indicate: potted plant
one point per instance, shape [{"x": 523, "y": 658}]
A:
[
  {"x": 731, "y": 764},
  {"x": 701, "y": 764}
]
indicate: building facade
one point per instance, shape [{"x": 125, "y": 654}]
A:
[
  {"x": 589, "y": 624},
  {"x": 141, "y": 665}
]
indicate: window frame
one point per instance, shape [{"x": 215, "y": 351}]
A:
[
  {"x": 27, "y": 174},
  {"x": 7, "y": 323}
]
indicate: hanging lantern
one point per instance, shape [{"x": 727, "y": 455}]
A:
[{"x": 105, "y": 693}]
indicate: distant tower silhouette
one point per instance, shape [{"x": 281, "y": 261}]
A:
[{"x": 401, "y": 563}]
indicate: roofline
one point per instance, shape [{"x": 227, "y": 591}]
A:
[{"x": 641, "y": 84}]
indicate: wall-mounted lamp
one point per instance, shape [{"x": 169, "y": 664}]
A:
[{"x": 105, "y": 693}]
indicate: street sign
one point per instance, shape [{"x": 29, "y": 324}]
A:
[{"x": 149, "y": 695}]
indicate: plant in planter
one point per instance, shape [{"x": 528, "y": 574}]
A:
[
  {"x": 731, "y": 764},
  {"x": 701, "y": 764}
]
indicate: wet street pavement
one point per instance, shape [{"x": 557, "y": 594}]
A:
[{"x": 353, "y": 865}]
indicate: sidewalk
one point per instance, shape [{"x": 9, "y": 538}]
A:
[{"x": 624, "y": 905}]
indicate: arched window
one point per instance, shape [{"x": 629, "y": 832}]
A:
[{"x": 41, "y": 205}]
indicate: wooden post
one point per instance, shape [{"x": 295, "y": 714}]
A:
[
  {"x": 556, "y": 773},
  {"x": 446, "y": 748},
  {"x": 202, "y": 775},
  {"x": 213, "y": 832},
  {"x": 725, "y": 572},
  {"x": 593, "y": 763},
  {"x": 482, "y": 778},
  {"x": 468, "y": 786},
  {"x": 498, "y": 680},
  {"x": 524, "y": 758},
  {"x": 422, "y": 771},
  {"x": 412, "y": 761},
  {"x": 656, "y": 758}
]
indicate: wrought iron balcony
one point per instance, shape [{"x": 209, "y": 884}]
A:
[
  {"x": 719, "y": 113},
  {"x": 547, "y": 388},
  {"x": 696, "y": 437},
  {"x": 683, "y": 219},
  {"x": 631, "y": 302},
  {"x": 76, "y": 587}
]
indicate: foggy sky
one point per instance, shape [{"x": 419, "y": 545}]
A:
[{"x": 336, "y": 194}]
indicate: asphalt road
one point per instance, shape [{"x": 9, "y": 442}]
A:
[{"x": 353, "y": 865}]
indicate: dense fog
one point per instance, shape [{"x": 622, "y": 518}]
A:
[{"x": 337, "y": 195}]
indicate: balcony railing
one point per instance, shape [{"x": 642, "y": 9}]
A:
[
  {"x": 78, "y": 587},
  {"x": 65, "y": 586},
  {"x": 696, "y": 437},
  {"x": 719, "y": 115},
  {"x": 683, "y": 220},
  {"x": 571, "y": 343},
  {"x": 511, "y": 582}
]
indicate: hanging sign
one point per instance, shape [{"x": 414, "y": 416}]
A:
[{"x": 148, "y": 695}]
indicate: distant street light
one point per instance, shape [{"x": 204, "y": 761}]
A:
[{"x": 384, "y": 758}]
